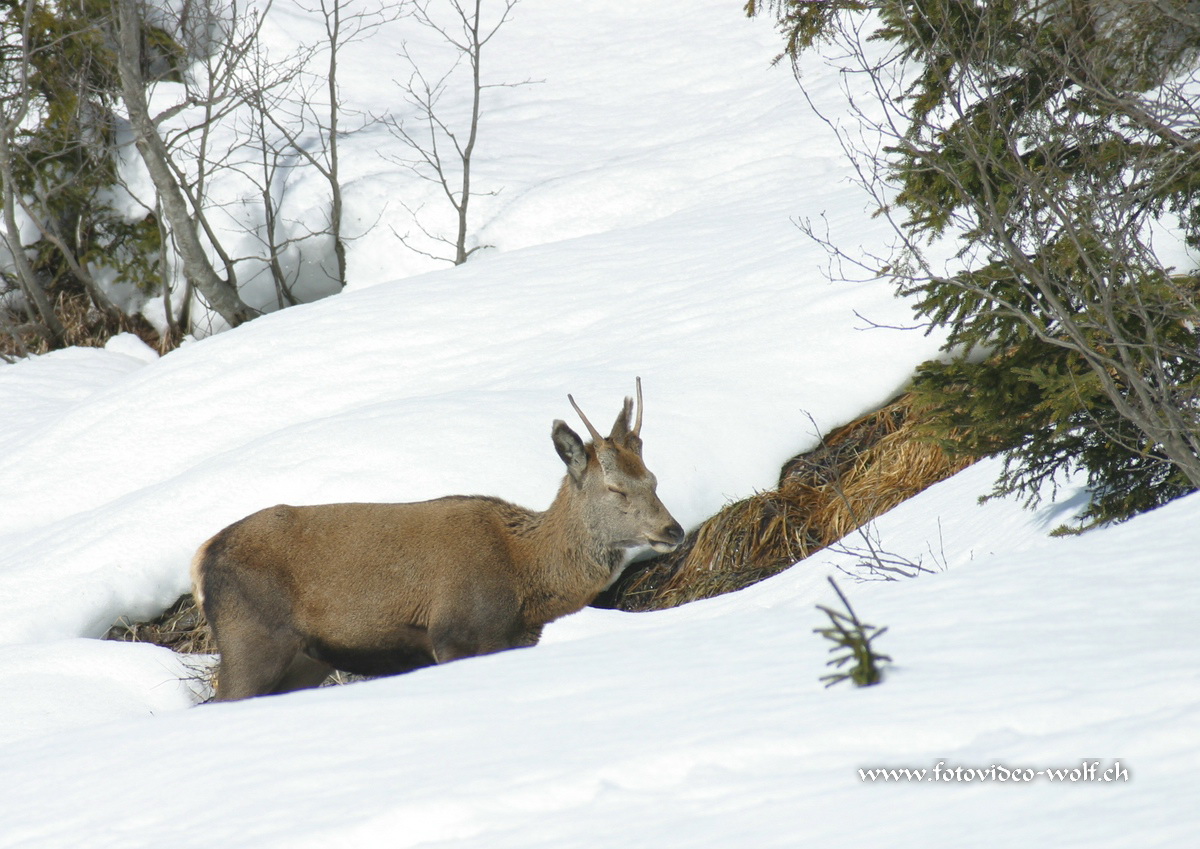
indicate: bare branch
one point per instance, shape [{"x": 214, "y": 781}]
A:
[
  {"x": 220, "y": 292},
  {"x": 438, "y": 152}
]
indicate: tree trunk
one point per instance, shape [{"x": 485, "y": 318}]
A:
[
  {"x": 335, "y": 211},
  {"x": 26, "y": 277},
  {"x": 221, "y": 294}
]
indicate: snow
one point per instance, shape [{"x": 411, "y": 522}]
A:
[{"x": 644, "y": 228}]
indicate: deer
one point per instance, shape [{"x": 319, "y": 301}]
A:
[{"x": 294, "y": 593}]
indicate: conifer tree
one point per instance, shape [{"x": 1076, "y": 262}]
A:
[
  {"x": 1058, "y": 143},
  {"x": 57, "y": 91}
]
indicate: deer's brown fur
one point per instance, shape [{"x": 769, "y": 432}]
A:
[{"x": 292, "y": 593}]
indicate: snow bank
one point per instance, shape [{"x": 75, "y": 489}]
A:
[
  {"x": 706, "y": 725},
  {"x": 645, "y": 229}
]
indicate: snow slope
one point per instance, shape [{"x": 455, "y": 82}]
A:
[
  {"x": 644, "y": 229},
  {"x": 706, "y": 725}
]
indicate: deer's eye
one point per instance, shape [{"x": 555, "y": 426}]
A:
[{"x": 620, "y": 493}]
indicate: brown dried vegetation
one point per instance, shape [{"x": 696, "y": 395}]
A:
[
  {"x": 181, "y": 627},
  {"x": 84, "y": 324},
  {"x": 858, "y": 472}
]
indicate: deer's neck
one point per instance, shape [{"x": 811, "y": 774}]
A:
[{"x": 568, "y": 562}]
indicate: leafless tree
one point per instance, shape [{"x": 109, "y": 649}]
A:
[
  {"x": 437, "y": 150},
  {"x": 206, "y": 105},
  {"x": 306, "y": 120},
  {"x": 182, "y": 198}
]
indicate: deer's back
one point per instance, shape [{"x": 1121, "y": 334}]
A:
[{"x": 360, "y": 573}]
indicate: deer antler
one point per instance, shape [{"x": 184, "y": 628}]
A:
[
  {"x": 596, "y": 437},
  {"x": 637, "y": 427}
]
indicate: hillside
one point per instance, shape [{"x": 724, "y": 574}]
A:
[{"x": 645, "y": 228}]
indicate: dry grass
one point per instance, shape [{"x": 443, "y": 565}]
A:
[
  {"x": 181, "y": 627},
  {"x": 860, "y": 471},
  {"x": 84, "y": 326}
]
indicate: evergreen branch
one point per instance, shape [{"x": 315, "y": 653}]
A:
[{"x": 854, "y": 637}]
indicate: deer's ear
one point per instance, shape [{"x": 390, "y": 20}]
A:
[{"x": 570, "y": 449}]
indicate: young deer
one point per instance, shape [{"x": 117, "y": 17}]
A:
[{"x": 293, "y": 593}]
